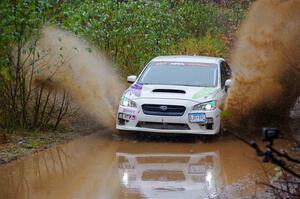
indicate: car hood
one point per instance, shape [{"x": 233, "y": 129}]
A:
[{"x": 192, "y": 93}]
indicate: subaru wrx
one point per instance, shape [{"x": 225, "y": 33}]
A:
[{"x": 175, "y": 94}]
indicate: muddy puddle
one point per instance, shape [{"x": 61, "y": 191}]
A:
[{"x": 99, "y": 166}]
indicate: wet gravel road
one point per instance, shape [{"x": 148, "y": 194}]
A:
[{"x": 100, "y": 166}]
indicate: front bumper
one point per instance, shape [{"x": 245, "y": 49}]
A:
[{"x": 136, "y": 120}]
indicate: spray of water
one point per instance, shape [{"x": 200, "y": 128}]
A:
[
  {"x": 266, "y": 63},
  {"x": 82, "y": 71}
]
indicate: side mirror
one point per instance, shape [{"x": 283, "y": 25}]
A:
[
  {"x": 228, "y": 84},
  {"x": 131, "y": 78}
]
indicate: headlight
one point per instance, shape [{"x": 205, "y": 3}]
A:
[
  {"x": 206, "y": 106},
  {"x": 127, "y": 102}
]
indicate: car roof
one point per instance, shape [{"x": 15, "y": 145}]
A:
[{"x": 188, "y": 58}]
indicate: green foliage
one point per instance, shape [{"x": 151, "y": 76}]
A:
[
  {"x": 224, "y": 115},
  {"x": 19, "y": 22},
  {"x": 4, "y": 72},
  {"x": 207, "y": 45},
  {"x": 212, "y": 46},
  {"x": 197, "y": 19},
  {"x": 133, "y": 32},
  {"x": 22, "y": 104}
]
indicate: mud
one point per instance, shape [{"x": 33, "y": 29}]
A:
[
  {"x": 265, "y": 63},
  {"x": 69, "y": 63},
  {"x": 99, "y": 166}
]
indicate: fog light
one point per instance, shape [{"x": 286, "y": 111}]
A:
[{"x": 209, "y": 126}]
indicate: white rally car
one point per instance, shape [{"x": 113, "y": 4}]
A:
[
  {"x": 167, "y": 175},
  {"x": 175, "y": 94}
]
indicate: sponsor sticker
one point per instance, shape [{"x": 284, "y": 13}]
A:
[
  {"x": 126, "y": 116},
  {"x": 128, "y": 111},
  {"x": 136, "y": 89},
  {"x": 203, "y": 92},
  {"x": 132, "y": 117}
]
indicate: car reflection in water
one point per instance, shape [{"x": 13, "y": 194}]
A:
[{"x": 166, "y": 175}]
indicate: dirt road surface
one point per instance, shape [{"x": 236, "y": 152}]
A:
[{"x": 100, "y": 166}]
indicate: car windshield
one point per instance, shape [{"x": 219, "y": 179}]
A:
[{"x": 180, "y": 73}]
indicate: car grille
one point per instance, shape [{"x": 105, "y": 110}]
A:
[
  {"x": 163, "y": 110},
  {"x": 159, "y": 125}
]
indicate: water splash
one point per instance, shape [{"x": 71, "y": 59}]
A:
[
  {"x": 265, "y": 63},
  {"x": 73, "y": 65}
]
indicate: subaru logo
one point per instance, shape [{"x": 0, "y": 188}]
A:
[{"x": 163, "y": 108}]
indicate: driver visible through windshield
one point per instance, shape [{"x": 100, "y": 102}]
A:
[{"x": 181, "y": 74}]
